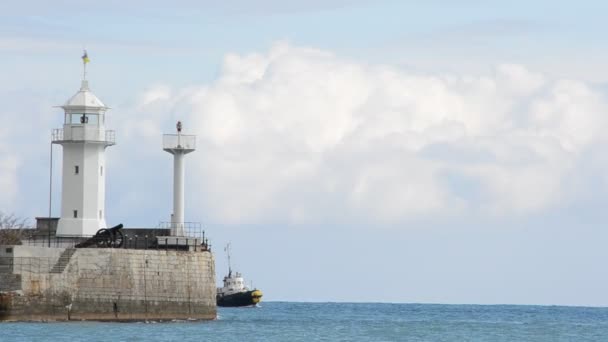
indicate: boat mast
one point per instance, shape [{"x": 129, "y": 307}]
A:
[{"x": 227, "y": 250}]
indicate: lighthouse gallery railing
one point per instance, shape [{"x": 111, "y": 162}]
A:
[
  {"x": 81, "y": 133},
  {"x": 179, "y": 141}
]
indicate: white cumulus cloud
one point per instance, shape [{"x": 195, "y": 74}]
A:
[{"x": 298, "y": 135}]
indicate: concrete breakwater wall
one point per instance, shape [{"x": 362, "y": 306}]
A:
[{"x": 39, "y": 284}]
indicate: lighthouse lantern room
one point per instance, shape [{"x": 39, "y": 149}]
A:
[{"x": 84, "y": 139}]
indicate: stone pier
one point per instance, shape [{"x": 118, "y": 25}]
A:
[{"x": 58, "y": 284}]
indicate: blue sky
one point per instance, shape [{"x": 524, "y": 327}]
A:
[{"x": 447, "y": 152}]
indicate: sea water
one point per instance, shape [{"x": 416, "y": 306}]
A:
[{"x": 285, "y": 321}]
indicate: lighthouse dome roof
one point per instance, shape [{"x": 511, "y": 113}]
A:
[{"x": 84, "y": 98}]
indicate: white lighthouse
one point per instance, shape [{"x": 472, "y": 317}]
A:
[
  {"x": 178, "y": 145},
  {"x": 84, "y": 139}
]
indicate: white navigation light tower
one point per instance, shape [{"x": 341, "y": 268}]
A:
[
  {"x": 178, "y": 145},
  {"x": 84, "y": 139}
]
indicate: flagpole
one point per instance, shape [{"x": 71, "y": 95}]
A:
[{"x": 85, "y": 60}]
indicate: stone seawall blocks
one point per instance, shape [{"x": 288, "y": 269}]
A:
[{"x": 107, "y": 284}]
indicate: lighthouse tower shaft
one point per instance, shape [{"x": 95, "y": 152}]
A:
[
  {"x": 179, "y": 145},
  {"x": 178, "y": 186},
  {"x": 84, "y": 140}
]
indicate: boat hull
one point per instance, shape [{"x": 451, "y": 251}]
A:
[{"x": 246, "y": 298}]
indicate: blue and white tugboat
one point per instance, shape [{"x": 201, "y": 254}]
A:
[{"x": 234, "y": 292}]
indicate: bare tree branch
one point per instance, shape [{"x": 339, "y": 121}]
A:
[{"x": 12, "y": 229}]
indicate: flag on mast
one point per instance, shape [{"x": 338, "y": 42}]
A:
[{"x": 85, "y": 57}]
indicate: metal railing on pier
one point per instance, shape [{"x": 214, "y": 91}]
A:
[
  {"x": 189, "y": 229},
  {"x": 132, "y": 238},
  {"x": 53, "y": 241}
]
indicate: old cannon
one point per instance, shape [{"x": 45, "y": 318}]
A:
[{"x": 105, "y": 238}]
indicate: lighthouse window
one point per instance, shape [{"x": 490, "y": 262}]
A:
[
  {"x": 76, "y": 170},
  {"x": 75, "y": 119},
  {"x": 101, "y": 170},
  {"x": 75, "y": 213},
  {"x": 92, "y": 119},
  {"x": 100, "y": 214}
]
